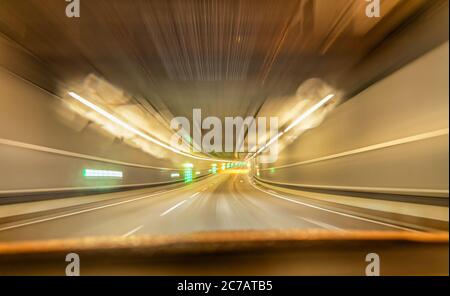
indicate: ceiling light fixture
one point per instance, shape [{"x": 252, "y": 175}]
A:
[
  {"x": 294, "y": 123},
  {"x": 136, "y": 131}
]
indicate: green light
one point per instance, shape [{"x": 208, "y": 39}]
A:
[
  {"x": 188, "y": 177},
  {"x": 102, "y": 173},
  {"x": 272, "y": 170},
  {"x": 187, "y": 138}
]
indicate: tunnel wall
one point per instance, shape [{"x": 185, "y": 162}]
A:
[
  {"x": 401, "y": 125},
  {"x": 44, "y": 145}
]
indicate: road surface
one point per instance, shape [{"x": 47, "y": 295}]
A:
[{"x": 220, "y": 202}]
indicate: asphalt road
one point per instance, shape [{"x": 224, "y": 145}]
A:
[{"x": 221, "y": 202}]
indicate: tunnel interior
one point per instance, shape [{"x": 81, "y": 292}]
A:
[{"x": 120, "y": 118}]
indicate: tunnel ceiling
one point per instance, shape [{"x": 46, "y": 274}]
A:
[{"x": 225, "y": 57}]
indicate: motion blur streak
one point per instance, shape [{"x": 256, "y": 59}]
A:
[
  {"x": 134, "y": 130},
  {"x": 309, "y": 112}
]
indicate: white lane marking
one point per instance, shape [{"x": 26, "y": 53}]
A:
[
  {"x": 132, "y": 231},
  {"x": 84, "y": 211},
  {"x": 195, "y": 194},
  {"x": 335, "y": 212},
  {"x": 321, "y": 224},
  {"x": 179, "y": 204},
  {"x": 173, "y": 208}
]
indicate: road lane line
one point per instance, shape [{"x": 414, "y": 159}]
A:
[
  {"x": 173, "y": 208},
  {"x": 132, "y": 231},
  {"x": 194, "y": 195},
  {"x": 85, "y": 211},
  {"x": 321, "y": 224},
  {"x": 335, "y": 212}
]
